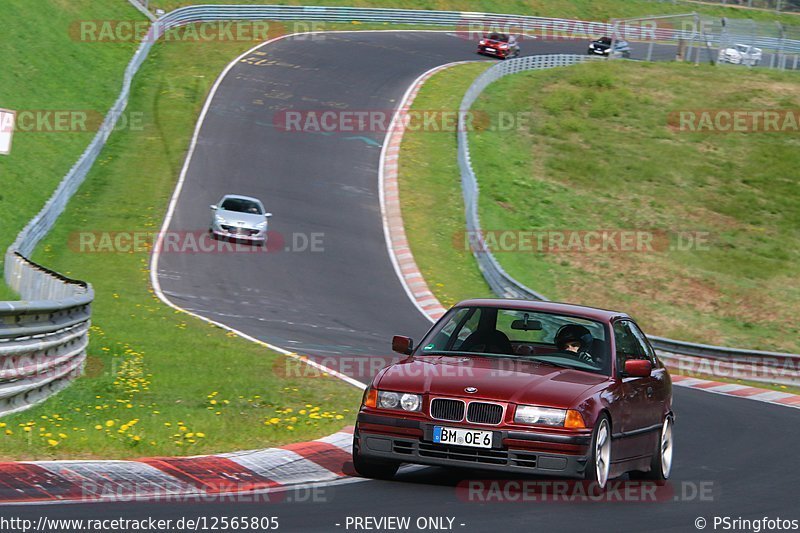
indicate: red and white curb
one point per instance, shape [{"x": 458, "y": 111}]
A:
[
  {"x": 421, "y": 295},
  {"x": 737, "y": 390},
  {"x": 168, "y": 478},
  {"x": 394, "y": 230}
]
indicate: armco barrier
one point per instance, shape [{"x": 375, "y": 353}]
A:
[
  {"x": 753, "y": 365},
  {"x": 43, "y": 338},
  {"x": 55, "y": 345}
]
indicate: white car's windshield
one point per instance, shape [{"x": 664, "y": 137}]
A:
[{"x": 241, "y": 205}]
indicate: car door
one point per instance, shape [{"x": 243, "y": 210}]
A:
[{"x": 634, "y": 435}]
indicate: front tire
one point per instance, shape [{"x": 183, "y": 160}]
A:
[
  {"x": 599, "y": 466},
  {"x": 371, "y": 468}
]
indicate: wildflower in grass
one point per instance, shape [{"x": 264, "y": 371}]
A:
[
  {"x": 98, "y": 427},
  {"x": 200, "y": 435},
  {"x": 27, "y": 429},
  {"x": 2, "y": 425},
  {"x": 290, "y": 428},
  {"x": 52, "y": 442},
  {"x": 110, "y": 423},
  {"x": 9, "y": 432}
]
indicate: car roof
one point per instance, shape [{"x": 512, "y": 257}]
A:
[
  {"x": 603, "y": 315},
  {"x": 240, "y": 197}
]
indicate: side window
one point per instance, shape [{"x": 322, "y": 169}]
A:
[
  {"x": 629, "y": 345},
  {"x": 642, "y": 340}
]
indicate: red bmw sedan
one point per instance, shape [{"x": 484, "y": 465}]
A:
[{"x": 522, "y": 386}]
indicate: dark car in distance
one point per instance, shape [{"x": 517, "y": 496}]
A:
[
  {"x": 520, "y": 386},
  {"x": 498, "y": 45},
  {"x": 602, "y": 47}
]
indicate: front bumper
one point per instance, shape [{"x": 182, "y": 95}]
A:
[
  {"x": 494, "y": 52},
  {"x": 243, "y": 234},
  {"x": 524, "y": 452}
]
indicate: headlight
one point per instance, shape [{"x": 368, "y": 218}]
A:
[
  {"x": 397, "y": 400},
  {"x": 482, "y": 43},
  {"x": 530, "y": 414},
  {"x": 219, "y": 219},
  {"x": 261, "y": 225},
  {"x": 410, "y": 402},
  {"x": 503, "y": 46}
]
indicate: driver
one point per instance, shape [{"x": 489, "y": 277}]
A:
[{"x": 576, "y": 339}]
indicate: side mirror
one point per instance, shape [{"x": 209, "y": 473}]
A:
[
  {"x": 267, "y": 215},
  {"x": 638, "y": 368},
  {"x": 403, "y": 345},
  {"x": 213, "y": 206}
]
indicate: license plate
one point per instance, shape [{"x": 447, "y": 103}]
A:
[{"x": 462, "y": 437}]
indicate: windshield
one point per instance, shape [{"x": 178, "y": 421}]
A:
[
  {"x": 560, "y": 340},
  {"x": 498, "y": 37},
  {"x": 241, "y": 205},
  {"x": 742, "y": 48}
]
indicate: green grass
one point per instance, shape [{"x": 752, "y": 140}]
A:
[
  {"x": 149, "y": 364},
  {"x": 44, "y": 68},
  {"x": 570, "y": 9},
  {"x": 430, "y": 191},
  {"x": 598, "y": 154}
]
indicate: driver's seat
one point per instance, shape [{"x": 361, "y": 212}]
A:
[{"x": 493, "y": 341}]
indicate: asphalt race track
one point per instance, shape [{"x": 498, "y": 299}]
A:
[{"x": 734, "y": 457}]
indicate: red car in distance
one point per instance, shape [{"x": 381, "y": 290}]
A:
[
  {"x": 520, "y": 386},
  {"x": 498, "y": 45}
]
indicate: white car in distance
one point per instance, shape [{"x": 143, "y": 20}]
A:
[
  {"x": 240, "y": 218},
  {"x": 741, "y": 54}
]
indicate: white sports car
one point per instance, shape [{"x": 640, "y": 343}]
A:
[
  {"x": 741, "y": 54},
  {"x": 240, "y": 217}
]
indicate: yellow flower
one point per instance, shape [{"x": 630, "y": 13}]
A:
[
  {"x": 2, "y": 424},
  {"x": 98, "y": 426},
  {"x": 339, "y": 417},
  {"x": 137, "y": 438},
  {"x": 189, "y": 435},
  {"x": 61, "y": 435},
  {"x": 290, "y": 428},
  {"x": 52, "y": 442},
  {"x": 183, "y": 429},
  {"x": 26, "y": 429},
  {"x": 201, "y": 435},
  {"x": 109, "y": 423},
  {"x": 9, "y": 432}
]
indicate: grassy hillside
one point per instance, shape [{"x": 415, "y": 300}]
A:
[
  {"x": 598, "y": 154},
  {"x": 46, "y": 68},
  {"x": 572, "y": 9}
]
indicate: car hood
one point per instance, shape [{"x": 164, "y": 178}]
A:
[
  {"x": 493, "y": 43},
  {"x": 501, "y": 379},
  {"x": 240, "y": 219}
]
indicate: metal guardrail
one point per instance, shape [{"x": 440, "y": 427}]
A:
[
  {"x": 43, "y": 339},
  {"x": 785, "y": 368}
]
